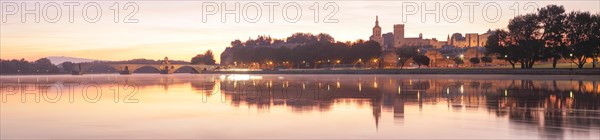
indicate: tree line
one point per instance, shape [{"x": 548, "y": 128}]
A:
[
  {"x": 44, "y": 65},
  {"x": 22, "y": 66},
  {"x": 550, "y": 34},
  {"x": 301, "y": 50},
  {"x": 207, "y": 58}
]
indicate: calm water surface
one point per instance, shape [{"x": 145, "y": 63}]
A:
[{"x": 300, "y": 106}]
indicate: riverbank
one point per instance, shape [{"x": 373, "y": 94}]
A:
[
  {"x": 425, "y": 71},
  {"x": 479, "y": 71}
]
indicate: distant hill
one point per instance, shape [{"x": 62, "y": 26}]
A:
[{"x": 56, "y": 60}]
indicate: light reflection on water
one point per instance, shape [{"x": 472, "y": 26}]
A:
[{"x": 303, "y": 106}]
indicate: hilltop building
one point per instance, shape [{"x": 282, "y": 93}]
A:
[
  {"x": 467, "y": 46},
  {"x": 399, "y": 39}
]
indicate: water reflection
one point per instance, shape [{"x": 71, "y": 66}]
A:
[
  {"x": 551, "y": 106},
  {"x": 561, "y": 107}
]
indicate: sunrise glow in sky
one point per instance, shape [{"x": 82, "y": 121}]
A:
[{"x": 176, "y": 28}]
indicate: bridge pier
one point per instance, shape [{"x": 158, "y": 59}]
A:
[
  {"x": 166, "y": 72},
  {"x": 76, "y": 73},
  {"x": 125, "y": 72}
]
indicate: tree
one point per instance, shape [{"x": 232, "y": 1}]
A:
[
  {"x": 525, "y": 33},
  {"x": 486, "y": 59},
  {"x": 43, "y": 65},
  {"x": 68, "y": 66},
  {"x": 522, "y": 43},
  {"x": 325, "y": 38},
  {"x": 207, "y": 58},
  {"x": 236, "y": 43},
  {"x": 596, "y": 39},
  {"x": 552, "y": 19},
  {"x": 405, "y": 53},
  {"x": 500, "y": 44},
  {"x": 474, "y": 61},
  {"x": 458, "y": 61},
  {"x": 580, "y": 37},
  {"x": 421, "y": 60}
]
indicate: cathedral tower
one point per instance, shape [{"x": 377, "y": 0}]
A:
[{"x": 377, "y": 33}]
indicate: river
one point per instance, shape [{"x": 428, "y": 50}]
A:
[{"x": 199, "y": 106}]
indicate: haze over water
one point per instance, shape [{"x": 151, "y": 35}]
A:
[{"x": 301, "y": 106}]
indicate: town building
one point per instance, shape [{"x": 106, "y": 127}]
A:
[
  {"x": 399, "y": 39},
  {"x": 468, "y": 46}
]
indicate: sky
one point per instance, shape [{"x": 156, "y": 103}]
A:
[{"x": 153, "y": 29}]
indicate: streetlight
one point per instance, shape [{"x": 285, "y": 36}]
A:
[
  {"x": 506, "y": 57},
  {"x": 571, "y": 55},
  {"x": 359, "y": 60},
  {"x": 375, "y": 62},
  {"x": 399, "y": 59}
]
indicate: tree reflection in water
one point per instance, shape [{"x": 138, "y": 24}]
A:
[
  {"x": 550, "y": 106},
  {"x": 553, "y": 107}
]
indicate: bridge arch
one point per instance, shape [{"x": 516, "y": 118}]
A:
[
  {"x": 180, "y": 68},
  {"x": 136, "y": 69}
]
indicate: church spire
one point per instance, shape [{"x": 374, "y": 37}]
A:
[{"x": 376, "y": 20}]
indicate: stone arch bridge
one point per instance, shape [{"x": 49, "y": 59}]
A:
[{"x": 80, "y": 69}]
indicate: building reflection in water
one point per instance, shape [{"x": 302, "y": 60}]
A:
[{"x": 553, "y": 107}]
